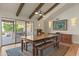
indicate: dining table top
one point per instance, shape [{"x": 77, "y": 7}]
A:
[{"x": 38, "y": 37}]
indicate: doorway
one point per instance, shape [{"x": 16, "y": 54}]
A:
[
  {"x": 7, "y": 32},
  {"x": 11, "y": 31},
  {"x": 19, "y": 30}
]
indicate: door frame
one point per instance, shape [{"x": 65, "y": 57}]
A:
[
  {"x": 14, "y": 29},
  {"x": 1, "y": 31}
]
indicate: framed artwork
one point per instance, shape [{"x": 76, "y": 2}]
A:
[{"x": 60, "y": 25}]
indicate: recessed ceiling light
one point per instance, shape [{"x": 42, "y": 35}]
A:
[
  {"x": 36, "y": 13},
  {"x": 40, "y": 14}
]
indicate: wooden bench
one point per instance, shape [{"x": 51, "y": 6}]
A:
[{"x": 43, "y": 46}]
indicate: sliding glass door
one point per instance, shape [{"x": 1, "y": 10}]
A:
[
  {"x": 29, "y": 28},
  {"x": 7, "y": 32},
  {"x": 19, "y": 30},
  {"x": 12, "y": 31}
]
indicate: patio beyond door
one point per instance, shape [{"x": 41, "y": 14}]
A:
[
  {"x": 12, "y": 31},
  {"x": 19, "y": 30},
  {"x": 7, "y": 32},
  {"x": 23, "y": 28}
]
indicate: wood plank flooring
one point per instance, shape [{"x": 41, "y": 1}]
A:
[{"x": 72, "y": 50}]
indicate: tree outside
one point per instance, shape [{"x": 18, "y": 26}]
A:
[{"x": 9, "y": 27}]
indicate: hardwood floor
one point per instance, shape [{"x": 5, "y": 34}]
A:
[{"x": 71, "y": 52}]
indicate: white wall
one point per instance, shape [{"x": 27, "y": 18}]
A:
[
  {"x": 69, "y": 14},
  {"x": 40, "y": 25}
]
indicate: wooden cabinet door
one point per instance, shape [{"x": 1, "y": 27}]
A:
[{"x": 66, "y": 38}]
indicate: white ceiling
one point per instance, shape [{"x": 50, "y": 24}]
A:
[
  {"x": 9, "y": 7},
  {"x": 27, "y": 9},
  {"x": 44, "y": 8},
  {"x": 60, "y": 9}
]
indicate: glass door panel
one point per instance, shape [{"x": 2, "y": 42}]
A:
[
  {"x": 20, "y": 30},
  {"x": 7, "y": 32},
  {"x": 29, "y": 28}
]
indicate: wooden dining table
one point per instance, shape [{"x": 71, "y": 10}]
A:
[{"x": 33, "y": 39}]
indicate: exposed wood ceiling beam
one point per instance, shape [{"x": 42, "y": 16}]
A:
[
  {"x": 36, "y": 9},
  {"x": 19, "y": 9},
  {"x": 55, "y": 5}
]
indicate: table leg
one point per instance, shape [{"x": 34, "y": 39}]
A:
[
  {"x": 57, "y": 43},
  {"x": 26, "y": 46},
  {"x": 33, "y": 51},
  {"x": 22, "y": 45}
]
